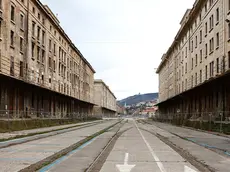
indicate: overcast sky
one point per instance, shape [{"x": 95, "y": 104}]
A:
[{"x": 122, "y": 39}]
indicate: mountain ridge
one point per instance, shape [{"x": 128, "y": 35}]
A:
[{"x": 138, "y": 98}]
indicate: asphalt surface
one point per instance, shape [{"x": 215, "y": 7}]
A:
[
  {"x": 217, "y": 143},
  {"x": 17, "y": 157},
  {"x": 137, "y": 151},
  {"x": 134, "y": 147},
  {"x": 212, "y": 160}
]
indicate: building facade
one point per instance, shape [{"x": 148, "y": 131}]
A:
[
  {"x": 41, "y": 70},
  {"x": 194, "y": 72},
  {"x": 105, "y": 100}
]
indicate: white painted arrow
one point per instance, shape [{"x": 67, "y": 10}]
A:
[
  {"x": 125, "y": 167},
  {"x": 188, "y": 169}
]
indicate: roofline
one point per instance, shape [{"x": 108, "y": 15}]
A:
[
  {"x": 101, "y": 81},
  {"x": 51, "y": 17},
  {"x": 195, "y": 7}
]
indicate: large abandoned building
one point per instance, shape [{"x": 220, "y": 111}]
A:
[
  {"x": 194, "y": 72},
  {"x": 105, "y": 100},
  {"x": 42, "y": 73}
]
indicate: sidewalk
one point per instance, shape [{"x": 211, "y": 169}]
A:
[{"x": 40, "y": 130}]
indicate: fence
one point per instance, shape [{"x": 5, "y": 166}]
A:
[
  {"x": 21, "y": 120},
  {"x": 213, "y": 121}
]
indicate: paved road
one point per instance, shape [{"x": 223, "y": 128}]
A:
[
  {"x": 139, "y": 151},
  {"x": 213, "y": 160},
  {"x": 217, "y": 143},
  {"x": 15, "y": 158}
]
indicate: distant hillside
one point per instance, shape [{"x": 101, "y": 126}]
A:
[{"x": 139, "y": 98}]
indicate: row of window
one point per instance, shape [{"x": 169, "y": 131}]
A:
[{"x": 214, "y": 67}]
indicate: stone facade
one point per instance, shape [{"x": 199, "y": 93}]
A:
[
  {"x": 35, "y": 50},
  {"x": 104, "y": 99},
  {"x": 196, "y": 61}
]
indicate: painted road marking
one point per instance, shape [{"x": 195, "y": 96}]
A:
[
  {"x": 125, "y": 167},
  {"x": 188, "y": 169},
  {"x": 159, "y": 164}
]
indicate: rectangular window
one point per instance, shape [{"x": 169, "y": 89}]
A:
[
  {"x": 12, "y": 66},
  {"x": 186, "y": 67},
  {"x": 206, "y": 72},
  {"x": 43, "y": 37},
  {"x": 196, "y": 43},
  {"x": 201, "y": 36},
  {"x": 217, "y": 40},
  {"x": 206, "y": 50},
  {"x": 32, "y": 50},
  {"x": 50, "y": 47},
  {"x": 201, "y": 56},
  {"x": 217, "y": 15},
  {"x": 196, "y": 60},
  {"x": 211, "y": 45},
  {"x": 195, "y": 78},
  {"x": 38, "y": 33},
  {"x": 43, "y": 56},
  {"x": 50, "y": 62},
  {"x": 186, "y": 52},
  {"x": 192, "y": 46},
  {"x": 192, "y": 64},
  {"x": 12, "y": 38},
  {"x": 12, "y": 13},
  {"x": 33, "y": 28},
  {"x": 206, "y": 7},
  {"x": 38, "y": 53},
  {"x": 192, "y": 81},
  {"x": 211, "y": 22},
  {"x": 22, "y": 21},
  {"x": 229, "y": 31},
  {"x": 21, "y": 44},
  {"x": 21, "y": 69},
  {"x": 206, "y": 29},
  {"x": 228, "y": 5},
  {"x": 54, "y": 48},
  {"x": 54, "y": 65},
  {"x": 217, "y": 65},
  {"x": 200, "y": 76}
]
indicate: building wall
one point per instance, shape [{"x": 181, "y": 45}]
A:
[
  {"x": 36, "y": 50},
  {"x": 103, "y": 96},
  {"x": 202, "y": 91},
  {"x": 192, "y": 65}
]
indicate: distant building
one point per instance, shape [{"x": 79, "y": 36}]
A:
[
  {"x": 149, "y": 111},
  {"x": 104, "y": 99}
]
